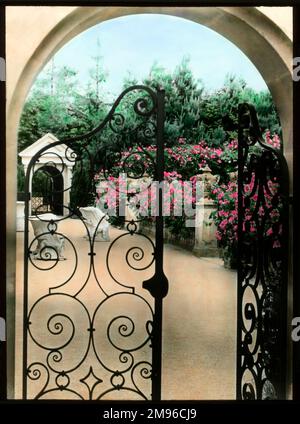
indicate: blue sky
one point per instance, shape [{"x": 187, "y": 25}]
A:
[{"x": 133, "y": 43}]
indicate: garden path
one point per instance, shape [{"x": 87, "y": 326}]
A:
[{"x": 199, "y": 321}]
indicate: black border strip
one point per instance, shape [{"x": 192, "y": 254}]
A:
[
  {"x": 3, "y": 372},
  {"x": 183, "y": 3},
  {"x": 93, "y": 412},
  {"x": 296, "y": 201},
  {"x": 296, "y": 206}
]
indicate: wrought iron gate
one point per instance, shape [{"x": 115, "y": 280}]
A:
[
  {"x": 89, "y": 331},
  {"x": 95, "y": 331},
  {"x": 263, "y": 201}
]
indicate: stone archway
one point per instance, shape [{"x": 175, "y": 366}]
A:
[
  {"x": 265, "y": 44},
  {"x": 258, "y": 36}
]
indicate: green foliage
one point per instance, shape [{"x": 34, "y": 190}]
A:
[
  {"x": 83, "y": 189},
  {"x": 196, "y": 114},
  {"x": 41, "y": 183},
  {"x": 58, "y": 104},
  {"x": 177, "y": 227},
  {"x": 183, "y": 98}
]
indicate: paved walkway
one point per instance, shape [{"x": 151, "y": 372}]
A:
[{"x": 199, "y": 321}]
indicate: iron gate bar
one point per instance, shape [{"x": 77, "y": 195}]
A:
[
  {"x": 262, "y": 264},
  {"x": 157, "y": 285}
]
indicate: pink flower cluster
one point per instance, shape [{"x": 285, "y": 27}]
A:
[
  {"x": 184, "y": 162},
  {"x": 187, "y": 159},
  {"x": 259, "y": 212},
  {"x": 274, "y": 141},
  {"x": 226, "y": 215}
]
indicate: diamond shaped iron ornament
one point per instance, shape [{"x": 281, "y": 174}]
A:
[{"x": 91, "y": 381}]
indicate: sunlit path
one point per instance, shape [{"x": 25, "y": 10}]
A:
[{"x": 199, "y": 316}]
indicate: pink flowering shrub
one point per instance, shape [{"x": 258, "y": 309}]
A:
[
  {"x": 226, "y": 215},
  {"x": 259, "y": 210},
  {"x": 274, "y": 141},
  {"x": 183, "y": 162},
  {"x": 186, "y": 193},
  {"x": 177, "y": 194},
  {"x": 186, "y": 159}
]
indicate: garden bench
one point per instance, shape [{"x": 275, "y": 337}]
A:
[
  {"x": 49, "y": 246},
  {"x": 96, "y": 222}
]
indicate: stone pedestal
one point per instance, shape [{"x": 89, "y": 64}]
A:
[
  {"x": 205, "y": 230},
  {"x": 20, "y": 216}
]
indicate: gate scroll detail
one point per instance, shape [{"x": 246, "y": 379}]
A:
[
  {"x": 263, "y": 202},
  {"x": 91, "y": 331}
]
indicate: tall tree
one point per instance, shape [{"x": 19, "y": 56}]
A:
[{"x": 183, "y": 97}]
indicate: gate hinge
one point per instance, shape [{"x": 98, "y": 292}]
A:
[{"x": 291, "y": 199}]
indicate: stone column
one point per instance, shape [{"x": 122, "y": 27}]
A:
[
  {"x": 205, "y": 230},
  {"x": 20, "y": 215},
  {"x": 67, "y": 175}
]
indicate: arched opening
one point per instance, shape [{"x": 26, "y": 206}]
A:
[
  {"x": 80, "y": 20},
  {"x": 270, "y": 50},
  {"x": 48, "y": 186}
]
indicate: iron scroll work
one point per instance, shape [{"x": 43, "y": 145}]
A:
[
  {"x": 263, "y": 202},
  {"x": 90, "y": 332}
]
